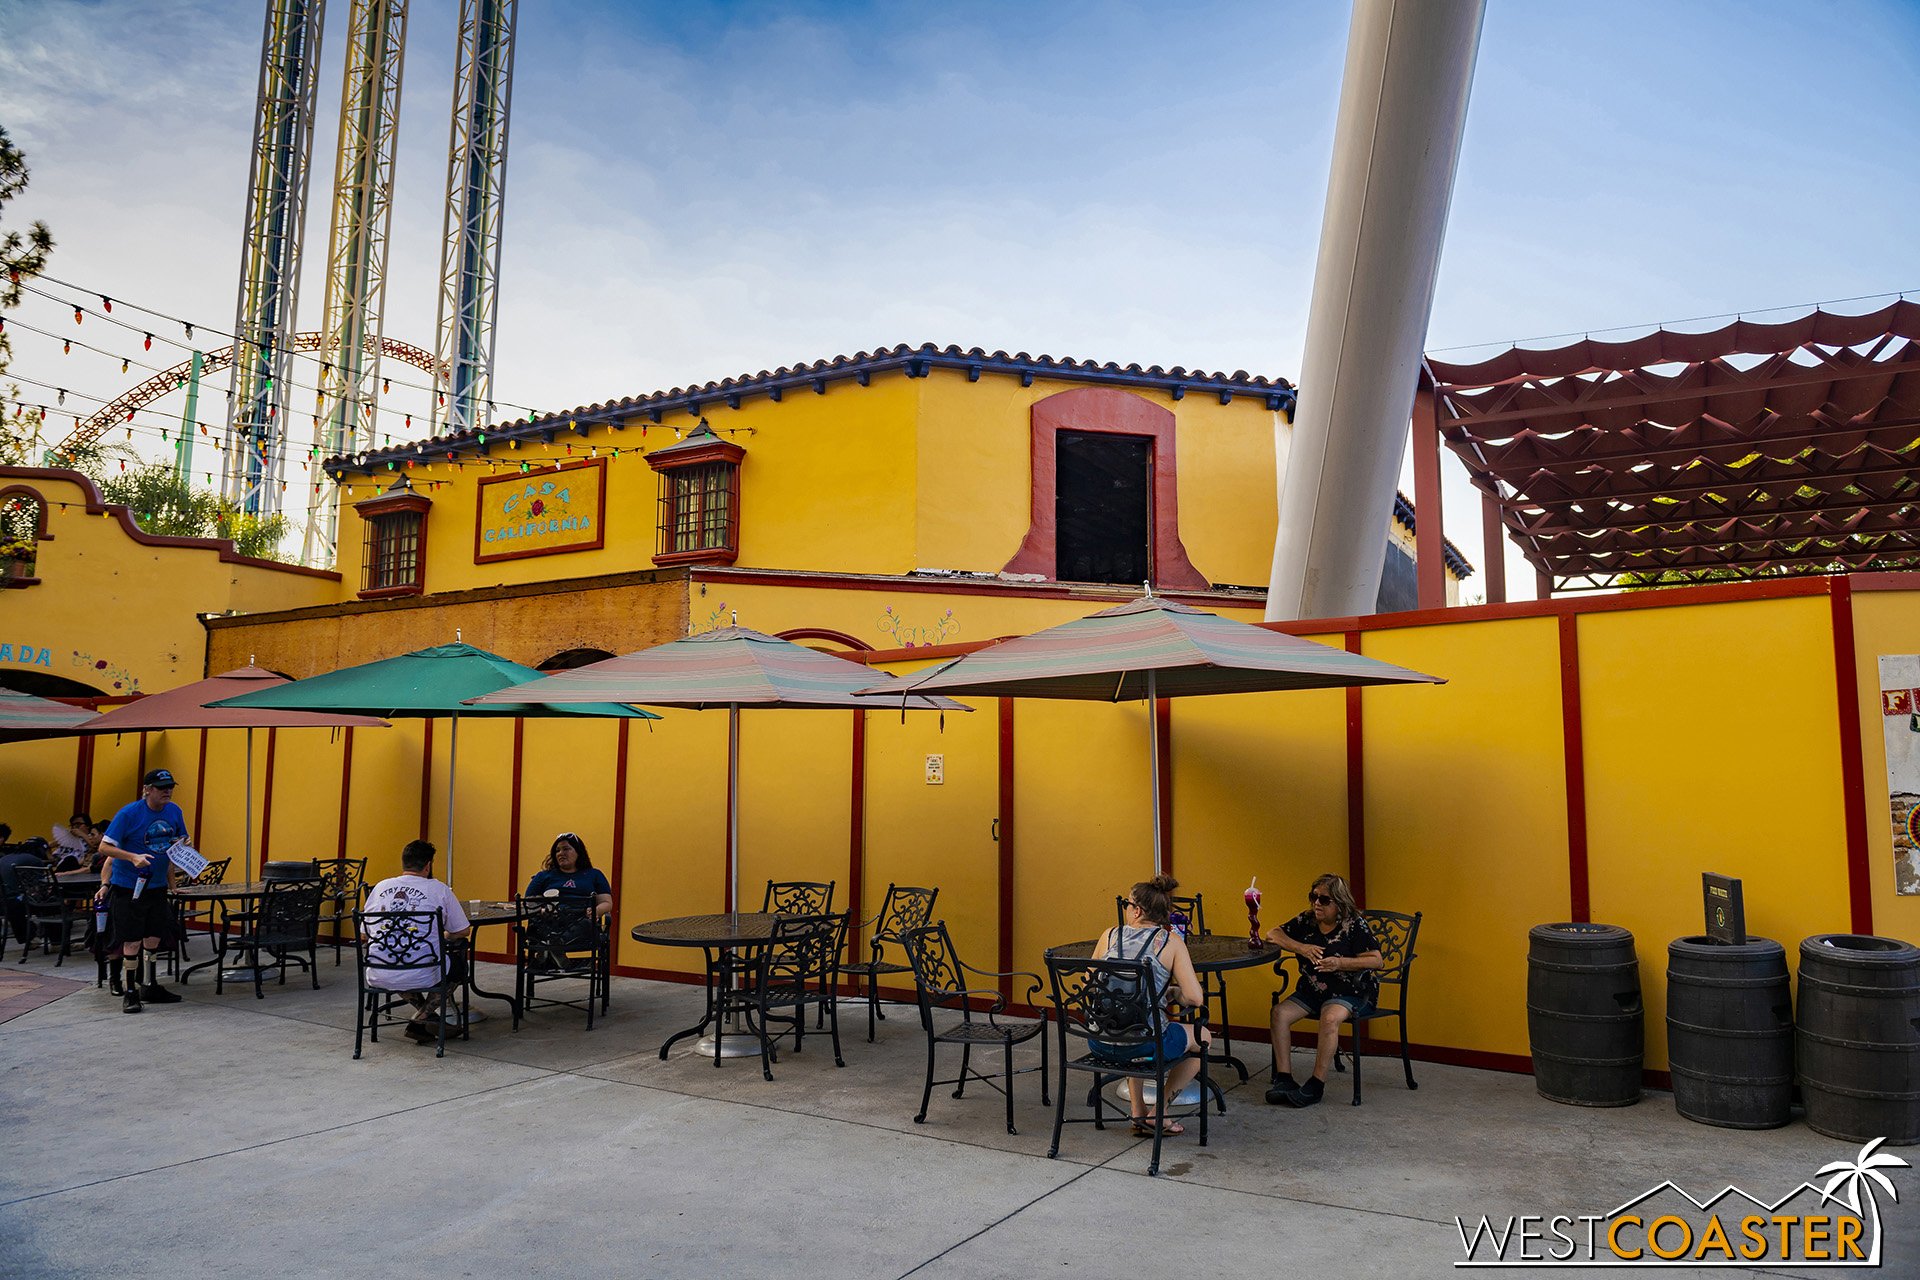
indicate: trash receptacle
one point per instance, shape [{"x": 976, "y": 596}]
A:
[
  {"x": 1859, "y": 1037},
  {"x": 1730, "y": 1032},
  {"x": 1584, "y": 1014}
]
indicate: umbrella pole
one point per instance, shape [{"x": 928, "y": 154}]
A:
[
  {"x": 1153, "y": 754},
  {"x": 453, "y": 756}
]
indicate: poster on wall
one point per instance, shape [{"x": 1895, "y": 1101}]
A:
[
  {"x": 1900, "y": 726},
  {"x": 542, "y": 513}
]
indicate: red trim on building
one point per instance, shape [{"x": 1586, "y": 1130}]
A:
[
  {"x": 140, "y": 768},
  {"x": 426, "y": 777},
  {"x": 1114, "y": 412},
  {"x": 1493, "y": 551},
  {"x": 513, "y": 814},
  {"x": 1003, "y": 839},
  {"x": 1163, "y": 743},
  {"x": 200, "y": 781},
  {"x": 857, "y": 835},
  {"x": 1853, "y": 785},
  {"x": 346, "y": 789},
  {"x": 798, "y": 634},
  {"x": 266, "y": 800},
  {"x": 1574, "y": 754},
  {"x": 1356, "y": 789},
  {"x": 619, "y": 859}
]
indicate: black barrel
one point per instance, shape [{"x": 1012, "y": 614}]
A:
[
  {"x": 289, "y": 871},
  {"x": 1859, "y": 1037},
  {"x": 1730, "y": 1032},
  {"x": 1583, "y": 1014}
]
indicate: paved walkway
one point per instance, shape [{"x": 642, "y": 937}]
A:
[{"x": 239, "y": 1134}]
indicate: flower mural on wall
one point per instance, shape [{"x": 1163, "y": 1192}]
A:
[
  {"x": 121, "y": 679},
  {"x": 909, "y": 635}
]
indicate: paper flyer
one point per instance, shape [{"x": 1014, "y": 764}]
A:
[{"x": 187, "y": 858}]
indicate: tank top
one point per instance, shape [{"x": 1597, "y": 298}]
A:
[{"x": 1133, "y": 943}]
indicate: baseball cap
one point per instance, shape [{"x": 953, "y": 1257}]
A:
[{"x": 157, "y": 778}]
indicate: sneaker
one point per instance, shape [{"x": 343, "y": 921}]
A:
[
  {"x": 421, "y": 1033},
  {"x": 1307, "y": 1094},
  {"x": 130, "y": 1001},
  {"x": 1283, "y": 1084},
  {"x": 157, "y": 994}
]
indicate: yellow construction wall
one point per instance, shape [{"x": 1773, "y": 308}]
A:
[
  {"x": 1712, "y": 744},
  {"x": 1884, "y": 622}
]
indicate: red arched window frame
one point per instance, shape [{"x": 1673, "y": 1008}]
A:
[
  {"x": 1104, "y": 409},
  {"x": 14, "y": 573}
]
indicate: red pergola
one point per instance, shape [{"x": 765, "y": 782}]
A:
[{"x": 1752, "y": 450}]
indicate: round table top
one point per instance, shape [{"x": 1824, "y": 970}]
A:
[
  {"x": 727, "y": 929},
  {"x": 1211, "y": 952}
]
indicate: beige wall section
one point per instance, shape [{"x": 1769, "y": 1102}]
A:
[
  {"x": 1466, "y": 805},
  {"x": 1712, "y": 744},
  {"x": 619, "y": 617},
  {"x": 96, "y": 571},
  {"x": 1884, "y": 622}
]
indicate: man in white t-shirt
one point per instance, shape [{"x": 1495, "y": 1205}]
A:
[{"x": 415, "y": 889}]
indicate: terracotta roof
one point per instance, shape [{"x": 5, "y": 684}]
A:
[
  {"x": 914, "y": 362},
  {"x": 1403, "y": 512},
  {"x": 1753, "y": 449}
]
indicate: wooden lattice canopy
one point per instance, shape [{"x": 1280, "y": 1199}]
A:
[{"x": 1753, "y": 450}]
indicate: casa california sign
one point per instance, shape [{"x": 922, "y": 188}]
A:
[{"x": 542, "y": 513}]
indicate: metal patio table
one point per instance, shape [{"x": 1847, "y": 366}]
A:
[
  {"x": 721, "y": 937},
  {"x": 480, "y": 914},
  {"x": 1211, "y": 953}
]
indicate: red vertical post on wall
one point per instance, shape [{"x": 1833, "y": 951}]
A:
[
  {"x": 83, "y": 777},
  {"x": 426, "y": 777},
  {"x": 346, "y": 789},
  {"x": 1429, "y": 528},
  {"x": 1356, "y": 789},
  {"x": 1003, "y": 834},
  {"x": 1163, "y": 744},
  {"x": 1853, "y": 779},
  {"x": 140, "y": 769},
  {"x": 857, "y": 836},
  {"x": 200, "y": 782},
  {"x": 1573, "y": 752},
  {"x": 266, "y": 801},
  {"x": 619, "y": 814},
  {"x": 513, "y": 811}
]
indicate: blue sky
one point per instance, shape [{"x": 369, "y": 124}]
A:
[{"x": 702, "y": 190}]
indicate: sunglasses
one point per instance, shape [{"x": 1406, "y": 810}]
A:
[{"x": 1320, "y": 899}]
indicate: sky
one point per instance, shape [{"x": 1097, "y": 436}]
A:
[{"x": 701, "y": 190}]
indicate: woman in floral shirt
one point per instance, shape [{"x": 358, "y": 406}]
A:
[{"x": 1339, "y": 978}]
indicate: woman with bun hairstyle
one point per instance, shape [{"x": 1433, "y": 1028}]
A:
[{"x": 1147, "y": 935}]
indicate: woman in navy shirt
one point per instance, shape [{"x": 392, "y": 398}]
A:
[{"x": 568, "y": 872}]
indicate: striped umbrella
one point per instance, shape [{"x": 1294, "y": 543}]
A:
[
  {"x": 23, "y": 716},
  {"x": 1150, "y": 649},
  {"x": 731, "y": 667}
]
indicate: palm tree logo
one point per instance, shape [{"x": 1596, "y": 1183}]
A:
[{"x": 1861, "y": 1174}]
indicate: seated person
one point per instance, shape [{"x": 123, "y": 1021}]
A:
[
  {"x": 1339, "y": 978},
  {"x": 415, "y": 889},
  {"x": 1147, "y": 935},
  {"x": 569, "y": 873},
  {"x": 29, "y": 853},
  {"x": 88, "y": 832}
]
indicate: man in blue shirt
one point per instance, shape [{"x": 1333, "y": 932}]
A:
[{"x": 137, "y": 841}]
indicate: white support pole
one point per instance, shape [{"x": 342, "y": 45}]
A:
[
  {"x": 1403, "y": 109},
  {"x": 733, "y": 806},
  {"x": 453, "y": 758},
  {"x": 1153, "y": 754}
]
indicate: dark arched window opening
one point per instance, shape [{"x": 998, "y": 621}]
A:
[{"x": 568, "y": 659}]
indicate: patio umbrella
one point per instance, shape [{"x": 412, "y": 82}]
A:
[
  {"x": 1150, "y": 649},
  {"x": 731, "y": 667},
  {"x": 188, "y": 708},
  {"x": 422, "y": 685},
  {"x": 24, "y": 717}
]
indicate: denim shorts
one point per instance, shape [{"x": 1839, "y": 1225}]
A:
[
  {"x": 1312, "y": 1003},
  {"x": 1173, "y": 1043}
]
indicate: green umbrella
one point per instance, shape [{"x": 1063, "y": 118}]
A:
[{"x": 424, "y": 684}]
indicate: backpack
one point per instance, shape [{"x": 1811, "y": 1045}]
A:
[{"x": 1117, "y": 1004}]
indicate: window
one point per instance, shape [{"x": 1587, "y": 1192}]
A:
[
  {"x": 23, "y": 527},
  {"x": 395, "y": 559},
  {"x": 1104, "y": 494},
  {"x": 1103, "y": 506},
  {"x": 699, "y": 499}
]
